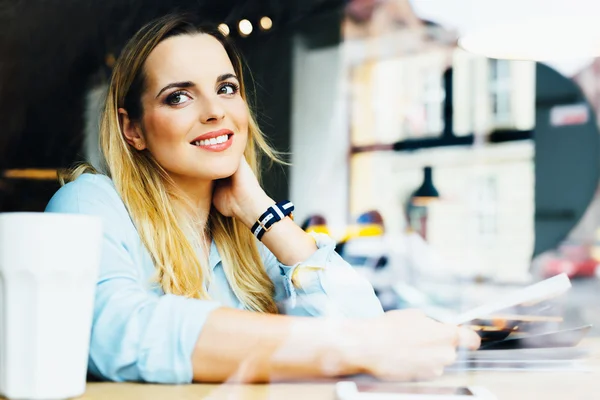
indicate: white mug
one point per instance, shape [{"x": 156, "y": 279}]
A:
[{"x": 48, "y": 270}]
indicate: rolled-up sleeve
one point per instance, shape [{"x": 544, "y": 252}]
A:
[
  {"x": 323, "y": 285},
  {"x": 137, "y": 334}
]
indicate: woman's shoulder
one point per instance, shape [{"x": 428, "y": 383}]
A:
[{"x": 87, "y": 192}]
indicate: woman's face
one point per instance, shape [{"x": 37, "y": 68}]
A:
[{"x": 195, "y": 122}]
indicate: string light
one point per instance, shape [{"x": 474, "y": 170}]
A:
[
  {"x": 245, "y": 27},
  {"x": 266, "y": 23},
  {"x": 224, "y": 29}
]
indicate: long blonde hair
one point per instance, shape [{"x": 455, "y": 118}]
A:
[{"x": 149, "y": 194}]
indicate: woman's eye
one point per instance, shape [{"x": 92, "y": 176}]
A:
[
  {"x": 177, "y": 98},
  {"x": 228, "y": 88}
]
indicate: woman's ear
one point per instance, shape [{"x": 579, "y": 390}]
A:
[{"x": 131, "y": 130}]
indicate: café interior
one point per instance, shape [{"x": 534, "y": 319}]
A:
[{"x": 451, "y": 148}]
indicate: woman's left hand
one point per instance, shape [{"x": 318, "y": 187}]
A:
[{"x": 241, "y": 196}]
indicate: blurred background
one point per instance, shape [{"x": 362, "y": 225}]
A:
[{"x": 450, "y": 147}]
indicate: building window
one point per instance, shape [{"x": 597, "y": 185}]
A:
[
  {"x": 500, "y": 91},
  {"x": 485, "y": 202},
  {"x": 433, "y": 101}
]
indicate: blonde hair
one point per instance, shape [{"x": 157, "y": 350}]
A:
[{"x": 151, "y": 198}]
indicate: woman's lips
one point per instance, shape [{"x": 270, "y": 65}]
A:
[{"x": 216, "y": 144}]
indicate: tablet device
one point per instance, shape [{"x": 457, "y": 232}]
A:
[{"x": 389, "y": 391}]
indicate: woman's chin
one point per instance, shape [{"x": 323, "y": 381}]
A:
[
  {"x": 213, "y": 171},
  {"x": 222, "y": 173}
]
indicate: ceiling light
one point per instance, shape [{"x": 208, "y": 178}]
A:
[
  {"x": 224, "y": 29},
  {"x": 266, "y": 23},
  {"x": 245, "y": 27}
]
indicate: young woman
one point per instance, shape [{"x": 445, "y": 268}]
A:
[{"x": 198, "y": 261}]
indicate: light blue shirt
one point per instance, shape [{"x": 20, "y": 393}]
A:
[{"x": 139, "y": 333}]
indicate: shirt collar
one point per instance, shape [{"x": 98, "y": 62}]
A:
[{"x": 214, "y": 258}]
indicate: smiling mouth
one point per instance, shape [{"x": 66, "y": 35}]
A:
[{"x": 212, "y": 141}]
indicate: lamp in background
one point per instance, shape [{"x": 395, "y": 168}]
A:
[
  {"x": 427, "y": 191},
  {"x": 417, "y": 211},
  {"x": 560, "y": 33},
  {"x": 539, "y": 38}
]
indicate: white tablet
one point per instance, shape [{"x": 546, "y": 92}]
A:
[{"x": 389, "y": 391}]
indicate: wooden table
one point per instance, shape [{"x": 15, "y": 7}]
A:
[{"x": 505, "y": 385}]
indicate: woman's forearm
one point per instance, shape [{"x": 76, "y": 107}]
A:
[
  {"x": 242, "y": 346},
  {"x": 280, "y": 238}
]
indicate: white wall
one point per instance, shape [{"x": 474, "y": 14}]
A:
[{"x": 320, "y": 136}]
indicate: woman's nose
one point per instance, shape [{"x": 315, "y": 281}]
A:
[{"x": 211, "y": 110}]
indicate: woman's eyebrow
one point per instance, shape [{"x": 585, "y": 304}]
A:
[
  {"x": 224, "y": 77},
  {"x": 185, "y": 84}
]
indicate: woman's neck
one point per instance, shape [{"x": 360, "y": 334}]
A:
[{"x": 198, "y": 197}]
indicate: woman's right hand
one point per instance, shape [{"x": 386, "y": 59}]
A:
[{"x": 407, "y": 345}]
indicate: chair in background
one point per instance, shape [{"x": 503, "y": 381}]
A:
[{"x": 315, "y": 223}]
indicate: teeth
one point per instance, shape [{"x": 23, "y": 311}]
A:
[{"x": 211, "y": 141}]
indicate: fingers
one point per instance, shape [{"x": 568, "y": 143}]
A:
[
  {"x": 468, "y": 338},
  {"x": 425, "y": 364},
  {"x": 461, "y": 337},
  {"x": 433, "y": 333},
  {"x": 448, "y": 356},
  {"x": 426, "y": 346}
]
